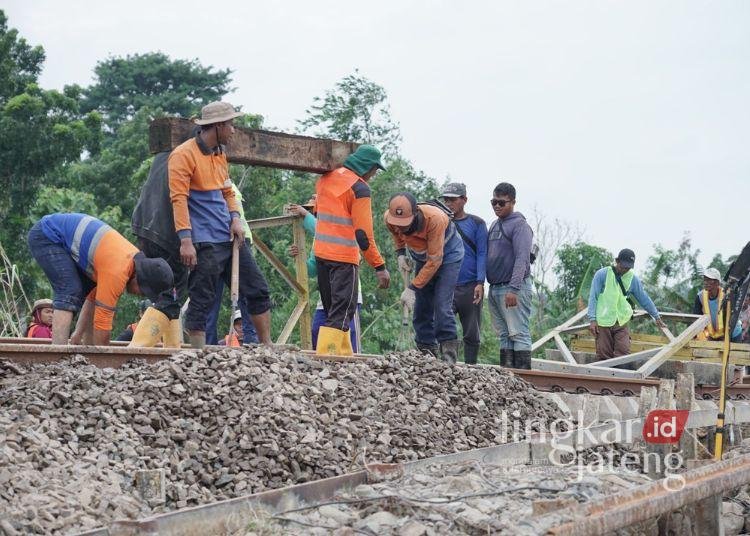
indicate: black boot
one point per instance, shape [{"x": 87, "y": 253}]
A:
[
  {"x": 506, "y": 358},
  {"x": 428, "y": 349},
  {"x": 449, "y": 351},
  {"x": 522, "y": 359},
  {"x": 470, "y": 354}
]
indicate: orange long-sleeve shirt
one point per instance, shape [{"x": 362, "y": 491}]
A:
[
  {"x": 427, "y": 243},
  {"x": 195, "y": 168}
]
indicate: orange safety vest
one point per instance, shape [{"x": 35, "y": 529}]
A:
[
  {"x": 231, "y": 340},
  {"x": 713, "y": 332},
  {"x": 334, "y": 232}
]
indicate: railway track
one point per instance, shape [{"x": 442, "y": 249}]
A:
[{"x": 27, "y": 351}]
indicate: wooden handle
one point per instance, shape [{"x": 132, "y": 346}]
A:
[{"x": 235, "y": 284}]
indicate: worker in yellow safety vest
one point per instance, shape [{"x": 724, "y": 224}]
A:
[
  {"x": 610, "y": 309},
  {"x": 708, "y": 302}
]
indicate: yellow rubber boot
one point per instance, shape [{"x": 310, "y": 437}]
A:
[
  {"x": 329, "y": 341},
  {"x": 346, "y": 343},
  {"x": 173, "y": 335},
  {"x": 151, "y": 327}
]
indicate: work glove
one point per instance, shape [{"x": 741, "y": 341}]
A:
[
  {"x": 408, "y": 298},
  {"x": 404, "y": 263}
]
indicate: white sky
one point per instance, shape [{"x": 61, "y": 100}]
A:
[{"x": 629, "y": 117}]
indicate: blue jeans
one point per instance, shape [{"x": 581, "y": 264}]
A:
[
  {"x": 511, "y": 323},
  {"x": 249, "y": 335},
  {"x": 69, "y": 283},
  {"x": 434, "y": 320},
  {"x": 320, "y": 318}
]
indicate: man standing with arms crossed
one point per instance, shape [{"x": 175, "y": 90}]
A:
[
  {"x": 207, "y": 220},
  {"x": 343, "y": 229},
  {"x": 469, "y": 293}
]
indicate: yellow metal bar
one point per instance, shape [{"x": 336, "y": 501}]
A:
[{"x": 719, "y": 450}]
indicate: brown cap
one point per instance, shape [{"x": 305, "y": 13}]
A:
[{"x": 401, "y": 209}]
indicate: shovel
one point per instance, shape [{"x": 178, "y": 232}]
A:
[{"x": 234, "y": 288}]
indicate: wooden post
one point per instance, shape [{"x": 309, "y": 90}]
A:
[{"x": 300, "y": 268}]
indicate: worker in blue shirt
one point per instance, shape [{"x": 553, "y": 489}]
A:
[
  {"x": 468, "y": 296},
  {"x": 610, "y": 308}
]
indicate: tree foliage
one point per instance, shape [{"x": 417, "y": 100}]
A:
[
  {"x": 356, "y": 109},
  {"x": 123, "y": 86}
]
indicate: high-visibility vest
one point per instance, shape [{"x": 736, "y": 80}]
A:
[
  {"x": 231, "y": 340},
  {"x": 335, "y": 239},
  {"x": 713, "y": 331},
  {"x": 613, "y": 306}
]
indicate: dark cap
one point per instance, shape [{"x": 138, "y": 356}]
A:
[
  {"x": 626, "y": 258},
  {"x": 153, "y": 276},
  {"x": 401, "y": 209},
  {"x": 454, "y": 189}
]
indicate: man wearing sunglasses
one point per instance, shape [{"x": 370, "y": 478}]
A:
[
  {"x": 469, "y": 293},
  {"x": 509, "y": 274}
]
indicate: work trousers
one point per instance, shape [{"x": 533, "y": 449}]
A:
[
  {"x": 470, "y": 315},
  {"x": 214, "y": 262},
  {"x": 434, "y": 321},
  {"x": 613, "y": 341},
  {"x": 337, "y": 283},
  {"x": 512, "y": 323},
  {"x": 169, "y": 300}
]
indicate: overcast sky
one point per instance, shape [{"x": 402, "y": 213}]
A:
[{"x": 630, "y": 118}]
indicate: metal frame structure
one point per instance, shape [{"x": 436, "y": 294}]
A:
[{"x": 653, "y": 358}]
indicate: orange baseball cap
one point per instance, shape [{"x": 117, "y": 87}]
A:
[{"x": 401, "y": 209}]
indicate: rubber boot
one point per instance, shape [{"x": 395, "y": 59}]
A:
[
  {"x": 346, "y": 344},
  {"x": 522, "y": 359},
  {"x": 151, "y": 327},
  {"x": 428, "y": 349},
  {"x": 173, "y": 335},
  {"x": 470, "y": 354},
  {"x": 449, "y": 351},
  {"x": 330, "y": 341},
  {"x": 507, "y": 359},
  {"x": 198, "y": 339}
]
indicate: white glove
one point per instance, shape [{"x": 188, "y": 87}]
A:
[
  {"x": 404, "y": 263},
  {"x": 408, "y": 298}
]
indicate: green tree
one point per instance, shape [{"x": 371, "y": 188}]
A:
[
  {"x": 40, "y": 130},
  {"x": 673, "y": 276},
  {"x": 177, "y": 87},
  {"x": 576, "y": 264},
  {"x": 356, "y": 109}
]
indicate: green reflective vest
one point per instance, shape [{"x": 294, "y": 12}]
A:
[{"x": 612, "y": 306}]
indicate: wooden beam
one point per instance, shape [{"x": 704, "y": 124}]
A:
[{"x": 259, "y": 147}]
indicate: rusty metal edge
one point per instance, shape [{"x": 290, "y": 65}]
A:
[{"x": 648, "y": 501}]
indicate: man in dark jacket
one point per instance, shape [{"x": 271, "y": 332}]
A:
[
  {"x": 469, "y": 293},
  {"x": 509, "y": 274}
]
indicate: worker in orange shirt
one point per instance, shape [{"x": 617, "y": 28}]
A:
[
  {"x": 438, "y": 250},
  {"x": 343, "y": 229},
  {"x": 89, "y": 266},
  {"x": 207, "y": 220}
]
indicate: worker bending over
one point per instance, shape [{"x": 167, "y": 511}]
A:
[
  {"x": 436, "y": 247},
  {"x": 207, "y": 220},
  {"x": 344, "y": 228},
  {"x": 84, "y": 258}
]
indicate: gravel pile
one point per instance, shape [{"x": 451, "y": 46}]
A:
[{"x": 228, "y": 423}]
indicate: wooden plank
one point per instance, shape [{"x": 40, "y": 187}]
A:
[
  {"x": 300, "y": 269},
  {"x": 259, "y": 147},
  {"x": 276, "y": 263}
]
